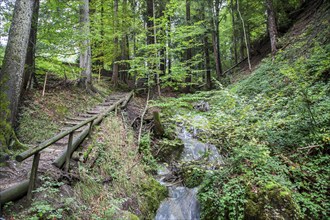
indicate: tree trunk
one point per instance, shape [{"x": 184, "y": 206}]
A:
[
  {"x": 85, "y": 50},
  {"x": 216, "y": 39},
  {"x": 31, "y": 52},
  {"x": 150, "y": 22},
  {"x": 234, "y": 48},
  {"x": 189, "y": 51},
  {"x": 11, "y": 75},
  {"x": 207, "y": 63},
  {"x": 115, "y": 71},
  {"x": 245, "y": 37},
  {"x": 271, "y": 26}
]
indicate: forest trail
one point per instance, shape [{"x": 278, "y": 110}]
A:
[{"x": 17, "y": 172}]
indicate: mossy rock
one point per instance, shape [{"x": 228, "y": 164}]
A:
[
  {"x": 192, "y": 175},
  {"x": 272, "y": 201},
  {"x": 169, "y": 150},
  {"x": 130, "y": 216},
  {"x": 153, "y": 193}
]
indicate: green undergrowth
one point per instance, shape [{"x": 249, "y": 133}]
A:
[
  {"x": 117, "y": 186},
  {"x": 273, "y": 129},
  {"x": 44, "y": 114}
]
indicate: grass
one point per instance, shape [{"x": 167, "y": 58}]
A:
[
  {"x": 44, "y": 114},
  {"x": 114, "y": 187}
]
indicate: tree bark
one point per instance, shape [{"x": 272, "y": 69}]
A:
[
  {"x": 85, "y": 50},
  {"x": 234, "y": 48},
  {"x": 31, "y": 52},
  {"x": 11, "y": 75},
  {"x": 189, "y": 51},
  {"x": 245, "y": 37},
  {"x": 207, "y": 63},
  {"x": 271, "y": 26},
  {"x": 216, "y": 39},
  {"x": 115, "y": 71}
]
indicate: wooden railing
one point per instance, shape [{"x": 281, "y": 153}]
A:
[
  {"x": 28, "y": 185},
  {"x": 36, "y": 151}
]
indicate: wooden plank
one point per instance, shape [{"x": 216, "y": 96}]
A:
[
  {"x": 67, "y": 128},
  {"x": 33, "y": 175},
  {"x": 72, "y": 122},
  {"x": 14, "y": 192},
  {"x": 68, "y": 155},
  {"x": 80, "y": 138},
  {"x": 93, "y": 112},
  {"x": 76, "y": 118},
  {"x": 85, "y": 115},
  {"x": 32, "y": 151}
]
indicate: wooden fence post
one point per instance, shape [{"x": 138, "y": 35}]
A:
[
  {"x": 33, "y": 175},
  {"x": 90, "y": 128},
  {"x": 68, "y": 153}
]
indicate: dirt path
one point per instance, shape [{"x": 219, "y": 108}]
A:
[{"x": 16, "y": 172}]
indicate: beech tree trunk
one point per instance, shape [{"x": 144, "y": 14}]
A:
[
  {"x": 216, "y": 39},
  {"x": 11, "y": 75},
  {"x": 234, "y": 48},
  {"x": 207, "y": 63},
  {"x": 189, "y": 51},
  {"x": 31, "y": 52},
  {"x": 85, "y": 50},
  {"x": 271, "y": 26},
  {"x": 115, "y": 68}
]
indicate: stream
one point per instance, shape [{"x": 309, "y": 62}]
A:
[{"x": 182, "y": 203}]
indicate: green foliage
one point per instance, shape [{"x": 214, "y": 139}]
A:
[
  {"x": 145, "y": 150},
  {"x": 273, "y": 127}
]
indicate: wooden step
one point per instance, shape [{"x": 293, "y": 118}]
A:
[
  {"x": 67, "y": 128},
  {"x": 86, "y": 115},
  {"x": 77, "y": 118},
  {"x": 73, "y": 122},
  {"x": 93, "y": 112}
]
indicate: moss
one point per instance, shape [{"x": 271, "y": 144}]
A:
[
  {"x": 153, "y": 194},
  {"x": 271, "y": 201},
  {"x": 168, "y": 150},
  {"x": 192, "y": 175},
  {"x": 130, "y": 216}
]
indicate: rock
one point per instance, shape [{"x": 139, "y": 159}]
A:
[
  {"x": 272, "y": 201},
  {"x": 202, "y": 106}
]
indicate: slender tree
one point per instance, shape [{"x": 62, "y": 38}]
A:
[
  {"x": 244, "y": 35},
  {"x": 271, "y": 26},
  {"x": 115, "y": 70},
  {"x": 216, "y": 37},
  {"x": 189, "y": 50},
  {"x": 11, "y": 75},
  {"x": 85, "y": 50}
]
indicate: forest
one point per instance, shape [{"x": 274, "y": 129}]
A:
[{"x": 164, "y": 109}]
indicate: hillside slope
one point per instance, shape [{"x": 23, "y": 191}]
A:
[{"x": 273, "y": 128}]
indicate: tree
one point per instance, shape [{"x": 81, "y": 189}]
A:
[
  {"x": 11, "y": 75},
  {"x": 115, "y": 70},
  {"x": 244, "y": 35},
  {"x": 271, "y": 26},
  {"x": 189, "y": 50},
  {"x": 29, "y": 73},
  {"x": 216, "y": 38},
  {"x": 85, "y": 50}
]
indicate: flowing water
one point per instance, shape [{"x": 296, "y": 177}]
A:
[{"x": 182, "y": 203}]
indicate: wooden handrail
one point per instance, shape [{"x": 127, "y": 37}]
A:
[
  {"x": 27, "y": 186},
  {"x": 47, "y": 143}
]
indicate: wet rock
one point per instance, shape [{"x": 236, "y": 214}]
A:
[{"x": 182, "y": 204}]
